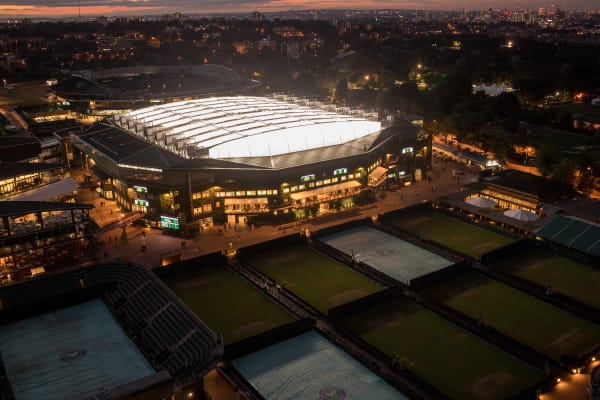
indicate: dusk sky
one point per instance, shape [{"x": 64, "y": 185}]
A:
[{"x": 61, "y": 8}]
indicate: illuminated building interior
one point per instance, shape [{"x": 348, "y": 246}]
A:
[
  {"x": 241, "y": 158},
  {"x": 19, "y": 177},
  {"x": 36, "y": 235}
]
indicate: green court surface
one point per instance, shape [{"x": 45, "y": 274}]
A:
[
  {"x": 227, "y": 303},
  {"x": 545, "y": 328},
  {"x": 563, "y": 275},
  {"x": 453, "y": 233},
  {"x": 317, "y": 279},
  {"x": 452, "y": 360}
]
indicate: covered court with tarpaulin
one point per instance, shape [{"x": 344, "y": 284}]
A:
[
  {"x": 310, "y": 367},
  {"x": 573, "y": 234},
  {"x": 389, "y": 254}
]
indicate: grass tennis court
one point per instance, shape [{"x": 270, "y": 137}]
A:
[
  {"x": 454, "y": 361},
  {"x": 546, "y": 328},
  {"x": 319, "y": 280},
  {"x": 453, "y": 233},
  {"x": 228, "y": 303},
  {"x": 563, "y": 275}
]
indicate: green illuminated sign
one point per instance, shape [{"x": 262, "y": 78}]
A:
[
  {"x": 143, "y": 203},
  {"x": 169, "y": 223},
  {"x": 307, "y": 178}
]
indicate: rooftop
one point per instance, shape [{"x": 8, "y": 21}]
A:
[{"x": 244, "y": 127}]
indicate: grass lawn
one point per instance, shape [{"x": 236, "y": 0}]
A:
[
  {"x": 319, "y": 280},
  {"x": 463, "y": 237},
  {"x": 546, "y": 328},
  {"x": 563, "y": 275},
  {"x": 454, "y": 361},
  {"x": 227, "y": 303}
]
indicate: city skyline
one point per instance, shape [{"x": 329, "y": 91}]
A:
[{"x": 69, "y": 8}]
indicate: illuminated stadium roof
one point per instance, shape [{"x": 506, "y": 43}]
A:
[{"x": 244, "y": 127}]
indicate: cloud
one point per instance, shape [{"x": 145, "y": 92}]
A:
[{"x": 58, "y": 8}]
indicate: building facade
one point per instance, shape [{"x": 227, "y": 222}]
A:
[{"x": 248, "y": 159}]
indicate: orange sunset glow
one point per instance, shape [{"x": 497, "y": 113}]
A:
[
  {"x": 42, "y": 8},
  {"x": 32, "y": 10}
]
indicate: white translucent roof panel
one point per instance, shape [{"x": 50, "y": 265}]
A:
[
  {"x": 189, "y": 127},
  {"x": 251, "y": 126},
  {"x": 177, "y": 122}
]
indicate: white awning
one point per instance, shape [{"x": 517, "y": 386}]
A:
[
  {"x": 46, "y": 192},
  {"x": 249, "y": 201},
  {"x": 325, "y": 190},
  {"x": 376, "y": 175}
]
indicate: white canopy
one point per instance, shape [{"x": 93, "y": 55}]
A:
[
  {"x": 481, "y": 202},
  {"x": 521, "y": 215}
]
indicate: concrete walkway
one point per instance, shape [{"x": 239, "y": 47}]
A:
[{"x": 113, "y": 244}]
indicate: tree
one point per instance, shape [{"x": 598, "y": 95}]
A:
[
  {"x": 545, "y": 159},
  {"x": 505, "y": 104},
  {"x": 565, "y": 171},
  {"x": 585, "y": 179},
  {"x": 341, "y": 89},
  {"x": 565, "y": 121}
]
